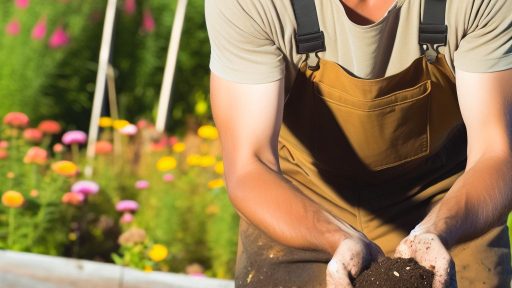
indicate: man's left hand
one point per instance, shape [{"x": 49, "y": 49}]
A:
[{"x": 429, "y": 251}]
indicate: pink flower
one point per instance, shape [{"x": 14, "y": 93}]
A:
[
  {"x": 129, "y": 130},
  {"x": 74, "y": 137},
  {"x": 173, "y": 140},
  {"x": 13, "y": 28},
  {"x": 58, "y": 148},
  {"x": 59, "y": 38},
  {"x": 129, "y": 7},
  {"x": 33, "y": 135},
  {"x": 168, "y": 177},
  {"x": 142, "y": 185},
  {"x": 22, "y": 4},
  {"x": 127, "y": 206},
  {"x": 4, "y": 144},
  {"x": 85, "y": 187},
  {"x": 36, "y": 155},
  {"x": 148, "y": 23},
  {"x": 39, "y": 30},
  {"x": 126, "y": 218},
  {"x": 16, "y": 119}
]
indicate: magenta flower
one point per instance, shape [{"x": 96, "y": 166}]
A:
[
  {"x": 129, "y": 130},
  {"x": 126, "y": 218},
  {"x": 85, "y": 187},
  {"x": 39, "y": 30},
  {"x": 13, "y": 28},
  {"x": 142, "y": 185},
  {"x": 168, "y": 177},
  {"x": 74, "y": 137},
  {"x": 127, "y": 206},
  {"x": 59, "y": 38},
  {"x": 22, "y": 4},
  {"x": 129, "y": 7},
  {"x": 148, "y": 23}
]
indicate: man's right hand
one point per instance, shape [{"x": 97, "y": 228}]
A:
[{"x": 353, "y": 255}]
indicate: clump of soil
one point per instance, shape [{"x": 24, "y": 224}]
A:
[{"x": 395, "y": 273}]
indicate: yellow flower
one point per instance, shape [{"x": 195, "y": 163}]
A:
[
  {"x": 65, "y": 168},
  {"x": 120, "y": 124},
  {"x": 208, "y": 132},
  {"x": 10, "y": 175},
  {"x": 206, "y": 161},
  {"x": 178, "y": 147},
  {"x": 12, "y": 199},
  {"x": 193, "y": 160},
  {"x": 158, "y": 252},
  {"x": 72, "y": 236},
  {"x": 216, "y": 183},
  {"x": 105, "y": 122},
  {"x": 166, "y": 163},
  {"x": 148, "y": 268},
  {"x": 219, "y": 168}
]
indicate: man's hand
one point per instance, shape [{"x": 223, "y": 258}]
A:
[
  {"x": 430, "y": 252},
  {"x": 353, "y": 255}
]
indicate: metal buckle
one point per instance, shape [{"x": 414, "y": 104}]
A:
[{"x": 315, "y": 67}]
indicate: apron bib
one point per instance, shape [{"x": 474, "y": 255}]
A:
[{"x": 374, "y": 153}]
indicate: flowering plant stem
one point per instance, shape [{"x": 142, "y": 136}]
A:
[{"x": 10, "y": 235}]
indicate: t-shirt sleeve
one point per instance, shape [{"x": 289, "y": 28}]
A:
[
  {"x": 241, "y": 50},
  {"x": 487, "y": 43}
]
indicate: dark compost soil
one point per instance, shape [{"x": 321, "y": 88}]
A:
[{"x": 395, "y": 273}]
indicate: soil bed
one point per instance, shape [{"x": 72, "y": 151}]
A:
[{"x": 395, "y": 273}]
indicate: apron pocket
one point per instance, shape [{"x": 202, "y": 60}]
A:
[{"x": 354, "y": 134}]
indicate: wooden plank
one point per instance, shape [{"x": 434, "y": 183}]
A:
[{"x": 27, "y": 270}]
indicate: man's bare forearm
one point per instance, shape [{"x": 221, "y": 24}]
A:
[
  {"x": 265, "y": 198},
  {"x": 480, "y": 199}
]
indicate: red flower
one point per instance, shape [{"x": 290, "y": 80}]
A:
[
  {"x": 49, "y": 127},
  {"x": 13, "y": 28},
  {"x": 129, "y": 7},
  {"x": 3, "y": 154},
  {"x": 148, "y": 23},
  {"x": 59, "y": 38},
  {"x": 39, "y": 30},
  {"x": 16, "y": 119},
  {"x": 33, "y": 135}
]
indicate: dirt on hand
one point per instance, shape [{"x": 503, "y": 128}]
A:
[{"x": 395, "y": 273}]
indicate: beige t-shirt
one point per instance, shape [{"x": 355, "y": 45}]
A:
[{"x": 252, "y": 41}]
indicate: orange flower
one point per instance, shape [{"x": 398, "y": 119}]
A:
[
  {"x": 36, "y": 155},
  {"x": 58, "y": 148},
  {"x": 49, "y": 127},
  {"x": 16, "y": 119},
  {"x": 103, "y": 147},
  {"x": 33, "y": 135},
  {"x": 3, "y": 154},
  {"x": 65, "y": 168},
  {"x": 73, "y": 198},
  {"x": 12, "y": 199}
]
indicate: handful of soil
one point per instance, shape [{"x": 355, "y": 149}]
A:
[{"x": 395, "y": 273}]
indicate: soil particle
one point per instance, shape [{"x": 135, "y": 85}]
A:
[{"x": 395, "y": 273}]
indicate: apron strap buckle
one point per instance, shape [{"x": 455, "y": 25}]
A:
[
  {"x": 316, "y": 66},
  {"x": 430, "y": 51}
]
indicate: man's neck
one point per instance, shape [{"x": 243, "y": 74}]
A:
[{"x": 366, "y": 12}]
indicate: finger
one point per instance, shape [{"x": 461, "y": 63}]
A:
[
  {"x": 403, "y": 250},
  {"x": 337, "y": 275},
  {"x": 442, "y": 274}
]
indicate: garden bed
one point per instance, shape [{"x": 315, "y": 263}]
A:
[{"x": 27, "y": 270}]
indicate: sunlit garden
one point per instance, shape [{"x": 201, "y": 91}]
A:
[
  {"x": 146, "y": 199},
  {"x": 150, "y": 200}
]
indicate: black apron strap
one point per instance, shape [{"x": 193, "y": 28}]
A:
[
  {"x": 309, "y": 38},
  {"x": 433, "y": 29}
]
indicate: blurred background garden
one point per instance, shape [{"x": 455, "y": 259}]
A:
[{"x": 155, "y": 201}]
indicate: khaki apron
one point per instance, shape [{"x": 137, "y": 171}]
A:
[{"x": 376, "y": 154}]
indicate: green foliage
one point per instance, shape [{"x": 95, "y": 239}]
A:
[{"x": 59, "y": 83}]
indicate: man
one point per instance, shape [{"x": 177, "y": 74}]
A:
[{"x": 353, "y": 129}]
